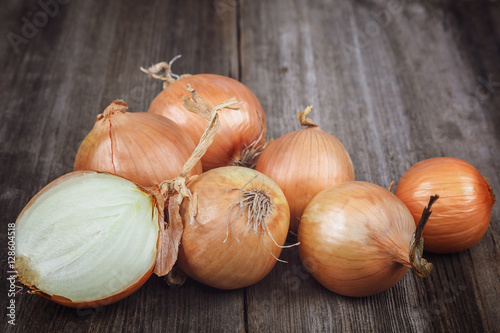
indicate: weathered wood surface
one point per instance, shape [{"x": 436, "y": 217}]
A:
[{"x": 395, "y": 81}]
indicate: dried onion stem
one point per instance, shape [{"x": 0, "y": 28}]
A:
[
  {"x": 171, "y": 232},
  {"x": 167, "y": 77}
]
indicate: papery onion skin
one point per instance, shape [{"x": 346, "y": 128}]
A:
[
  {"x": 303, "y": 163},
  {"x": 462, "y": 215},
  {"x": 61, "y": 299},
  {"x": 140, "y": 146},
  {"x": 231, "y": 257},
  {"x": 355, "y": 238},
  {"x": 238, "y": 129}
]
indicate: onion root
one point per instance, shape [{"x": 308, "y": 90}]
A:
[{"x": 258, "y": 205}]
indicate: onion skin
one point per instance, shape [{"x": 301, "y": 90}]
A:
[
  {"x": 142, "y": 147},
  {"x": 462, "y": 215},
  {"x": 303, "y": 163},
  {"x": 246, "y": 256},
  {"x": 237, "y": 130},
  {"x": 355, "y": 238}
]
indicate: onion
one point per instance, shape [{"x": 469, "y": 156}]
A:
[
  {"x": 87, "y": 239},
  {"x": 140, "y": 146},
  {"x": 462, "y": 215},
  {"x": 239, "y": 229},
  {"x": 241, "y": 136},
  {"x": 359, "y": 239},
  {"x": 305, "y": 162}
]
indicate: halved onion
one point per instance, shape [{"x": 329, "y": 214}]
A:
[{"x": 87, "y": 239}]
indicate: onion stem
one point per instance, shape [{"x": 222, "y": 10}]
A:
[
  {"x": 167, "y": 77},
  {"x": 199, "y": 106},
  {"x": 178, "y": 184},
  {"x": 420, "y": 266},
  {"x": 302, "y": 116}
]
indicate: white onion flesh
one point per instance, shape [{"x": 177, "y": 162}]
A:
[{"x": 87, "y": 237}]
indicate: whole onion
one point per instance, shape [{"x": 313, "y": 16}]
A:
[
  {"x": 140, "y": 146},
  {"x": 359, "y": 239},
  {"x": 241, "y": 135},
  {"x": 305, "y": 162},
  {"x": 462, "y": 215},
  {"x": 239, "y": 229}
]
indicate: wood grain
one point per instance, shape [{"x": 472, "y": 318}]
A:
[
  {"x": 393, "y": 84},
  {"x": 395, "y": 81}
]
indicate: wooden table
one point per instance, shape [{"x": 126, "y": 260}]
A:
[{"x": 395, "y": 81}]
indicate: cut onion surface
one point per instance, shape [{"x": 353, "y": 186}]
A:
[{"x": 87, "y": 239}]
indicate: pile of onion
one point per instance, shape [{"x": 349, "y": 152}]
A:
[
  {"x": 358, "y": 239},
  {"x": 462, "y": 215},
  {"x": 305, "y": 162},
  {"x": 241, "y": 136},
  {"x": 89, "y": 239},
  {"x": 140, "y": 146},
  {"x": 239, "y": 229}
]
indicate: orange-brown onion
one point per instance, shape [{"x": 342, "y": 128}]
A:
[
  {"x": 355, "y": 238},
  {"x": 87, "y": 239},
  {"x": 140, "y": 146},
  {"x": 224, "y": 247},
  {"x": 303, "y": 163},
  {"x": 462, "y": 215},
  {"x": 239, "y": 131}
]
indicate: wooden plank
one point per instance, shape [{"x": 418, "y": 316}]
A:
[
  {"x": 87, "y": 55},
  {"x": 395, "y": 81},
  {"x": 392, "y": 81}
]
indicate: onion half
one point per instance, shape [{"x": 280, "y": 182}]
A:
[
  {"x": 87, "y": 239},
  {"x": 463, "y": 213},
  {"x": 358, "y": 239},
  {"x": 239, "y": 229}
]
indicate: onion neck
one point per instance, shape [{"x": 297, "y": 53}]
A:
[
  {"x": 420, "y": 266},
  {"x": 492, "y": 194},
  {"x": 116, "y": 106},
  {"x": 167, "y": 76},
  {"x": 303, "y": 118}
]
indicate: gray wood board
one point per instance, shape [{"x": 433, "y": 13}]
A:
[{"x": 395, "y": 81}]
